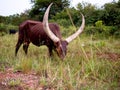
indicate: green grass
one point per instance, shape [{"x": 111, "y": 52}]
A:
[{"x": 87, "y": 66}]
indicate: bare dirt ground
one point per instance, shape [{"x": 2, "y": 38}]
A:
[
  {"x": 10, "y": 80},
  {"x": 109, "y": 56}
]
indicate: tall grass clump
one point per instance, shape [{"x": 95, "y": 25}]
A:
[
  {"x": 91, "y": 63},
  {"x": 24, "y": 65}
]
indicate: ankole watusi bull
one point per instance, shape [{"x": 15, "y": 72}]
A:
[{"x": 44, "y": 33}]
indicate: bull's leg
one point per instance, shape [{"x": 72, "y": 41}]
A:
[
  {"x": 50, "y": 51},
  {"x": 25, "y": 47},
  {"x": 18, "y": 46}
]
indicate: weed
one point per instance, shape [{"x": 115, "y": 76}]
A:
[{"x": 14, "y": 82}]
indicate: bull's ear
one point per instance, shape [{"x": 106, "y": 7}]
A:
[
  {"x": 51, "y": 35},
  {"x": 78, "y": 32}
]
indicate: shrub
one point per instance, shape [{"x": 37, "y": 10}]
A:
[
  {"x": 62, "y": 22},
  {"x": 67, "y": 31},
  {"x": 90, "y": 30},
  {"x": 99, "y": 24},
  {"x": 100, "y": 29},
  {"x": 117, "y": 34},
  {"x": 4, "y": 29}
]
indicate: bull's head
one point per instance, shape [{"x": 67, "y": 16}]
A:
[{"x": 60, "y": 45}]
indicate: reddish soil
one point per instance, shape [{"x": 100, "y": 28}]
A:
[
  {"x": 106, "y": 55},
  {"x": 25, "y": 81},
  {"x": 109, "y": 56}
]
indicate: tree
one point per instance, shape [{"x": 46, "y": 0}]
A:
[
  {"x": 40, "y": 6},
  {"x": 2, "y": 19},
  {"x": 112, "y": 13},
  {"x": 88, "y": 10}
]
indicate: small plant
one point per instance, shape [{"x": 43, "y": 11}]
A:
[
  {"x": 14, "y": 82},
  {"x": 99, "y": 24}
]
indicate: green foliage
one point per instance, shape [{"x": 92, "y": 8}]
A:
[
  {"x": 100, "y": 29},
  {"x": 117, "y": 33},
  {"x": 40, "y": 6},
  {"x": 89, "y": 11},
  {"x": 63, "y": 22},
  {"x": 2, "y": 19},
  {"x": 112, "y": 14},
  {"x": 67, "y": 31},
  {"x": 99, "y": 24},
  {"x": 17, "y": 19},
  {"x": 4, "y": 29},
  {"x": 63, "y": 14}
]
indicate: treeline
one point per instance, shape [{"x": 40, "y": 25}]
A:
[{"x": 98, "y": 20}]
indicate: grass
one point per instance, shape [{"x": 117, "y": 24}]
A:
[{"x": 87, "y": 66}]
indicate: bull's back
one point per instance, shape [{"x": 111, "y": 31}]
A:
[
  {"x": 33, "y": 31},
  {"x": 39, "y": 37},
  {"x": 25, "y": 28}
]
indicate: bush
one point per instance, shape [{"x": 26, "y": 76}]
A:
[
  {"x": 100, "y": 29},
  {"x": 117, "y": 34},
  {"x": 99, "y": 24},
  {"x": 62, "y": 22},
  {"x": 12, "y": 27},
  {"x": 67, "y": 31},
  {"x": 90, "y": 30},
  {"x": 65, "y": 26},
  {"x": 4, "y": 29}
]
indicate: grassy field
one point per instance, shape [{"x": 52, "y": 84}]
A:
[{"x": 91, "y": 64}]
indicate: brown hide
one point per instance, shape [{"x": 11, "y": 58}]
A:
[
  {"x": 32, "y": 31},
  {"x": 38, "y": 36}
]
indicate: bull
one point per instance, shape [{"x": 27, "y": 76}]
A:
[{"x": 44, "y": 33}]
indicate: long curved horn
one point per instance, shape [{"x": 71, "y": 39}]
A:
[
  {"x": 73, "y": 36},
  {"x": 46, "y": 26}
]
